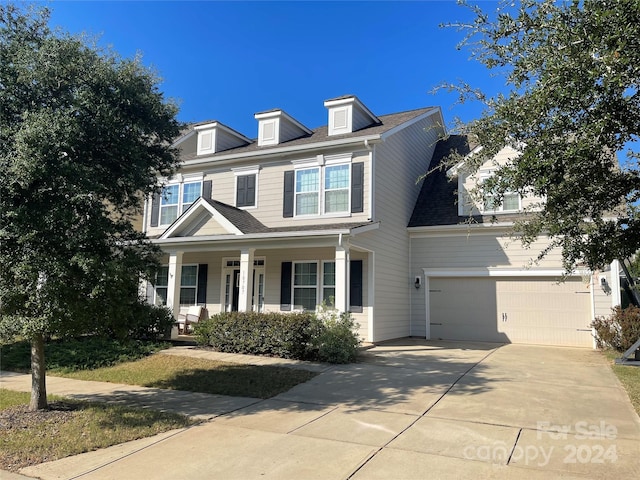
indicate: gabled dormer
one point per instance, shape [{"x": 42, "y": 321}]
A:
[
  {"x": 348, "y": 114},
  {"x": 214, "y": 137},
  {"x": 276, "y": 126}
]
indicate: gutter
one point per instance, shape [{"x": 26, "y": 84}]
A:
[{"x": 272, "y": 152}]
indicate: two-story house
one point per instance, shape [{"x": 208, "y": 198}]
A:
[
  {"x": 478, "y": 282},
  {"x": 296, "y": 217},
  {"x": 299, "y": 216}
]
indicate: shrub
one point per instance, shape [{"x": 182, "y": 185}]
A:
[
  {"x": 286, "y": 335},
  {"x": 620, "y": 330},
  {"x": 337, "y": 340}
]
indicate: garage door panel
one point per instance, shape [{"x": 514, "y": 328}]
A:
[
  {"x": 461, "y": 310},
  {"x": 537, "y": 310},
  {"x": 544, "y": 311}
]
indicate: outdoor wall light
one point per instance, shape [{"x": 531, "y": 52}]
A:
[{"x": 418, "y": 282}]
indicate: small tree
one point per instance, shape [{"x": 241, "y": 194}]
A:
[
  {"x": 573, "y": 71},
  {"x": 84, "y": 135}
]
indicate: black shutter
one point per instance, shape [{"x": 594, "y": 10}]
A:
[
  {"x": 289, "y": 187},
  {"x": 355, "y": 286},
  {"x": 202, "y": 283},
  {"x": 285, "y": 286},
  {"x": 241, "y": 191},
  {"x": 357, "y": 187},
  {"x": 250, "y": 195},
  {"x": 155, "y": 210},
  {"x": 246, "y": 191},
  {"x": 207, "y": 186}
]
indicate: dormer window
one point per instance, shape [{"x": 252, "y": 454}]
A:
[
  {"x": 275, "y": 127},
  {"x": 348, "y": 114},
  {"x": 214, "y": 137}
]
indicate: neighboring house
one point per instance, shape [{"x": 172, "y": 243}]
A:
[
  {"x": 296, "y": 217},
  {"x": 480, "y": 283}
]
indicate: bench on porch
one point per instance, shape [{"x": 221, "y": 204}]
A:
[{"x": 185, "y": 320}]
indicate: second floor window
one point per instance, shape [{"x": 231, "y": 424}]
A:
[
  {"x": 333, "y": 197},
  {"x": 176, "y": 198},
  {"x": 510, "y": 200}
]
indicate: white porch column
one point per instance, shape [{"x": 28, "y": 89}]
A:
[
  {"x": 246, "y": 280},
  {"x": 173, "y": 287},
  {"x": 614, "y": 284},
  {"x": 342, "y": 256}
]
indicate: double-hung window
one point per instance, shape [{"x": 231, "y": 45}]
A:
[
  {"x": 308, "y": 191},
  {"x": 162, "y": 285},
  {"x": 176, "y": 198},
  {"x": 322, "y": 190},
  {"x": 305, "y": 285},
  {"x": 336, "y": 188},
  {"x": 329, "y": 283},
  {"x": 188, "y": 284},
  {"x": 510, "y": 200}
]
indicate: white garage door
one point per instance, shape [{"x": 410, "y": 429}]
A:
[{"x": 511, "y": 309}]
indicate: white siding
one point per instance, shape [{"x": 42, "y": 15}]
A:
[
  {"x": 399, "y": 161},
  {"x": 467, "y": 182},
  {"x": 468, "y": 250}
]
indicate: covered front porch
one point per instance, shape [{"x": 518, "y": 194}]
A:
[{"x": 292, "y": 273}]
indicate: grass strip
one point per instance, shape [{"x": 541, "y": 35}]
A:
[
  {"x": 71, "y": 427},
  {"x": 197, "y": 375},
  {"x": 629, "y": 376}
]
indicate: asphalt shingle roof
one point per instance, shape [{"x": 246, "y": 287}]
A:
[
  {"x": 247, "y": 223},
  {"x": 320, "y": 134},
  {"x": 437, "y": 202}
]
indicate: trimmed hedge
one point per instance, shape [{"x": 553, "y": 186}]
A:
[
  {"x": 328, "y": 336},
  {"x": 286, "y": 335},
  {"x": 620, "y": 330}
]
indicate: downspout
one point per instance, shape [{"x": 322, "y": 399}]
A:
[
  {"x": 410, "y": 290},
  {"x": 372, "y": 176}
]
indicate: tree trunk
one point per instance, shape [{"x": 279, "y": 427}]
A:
[{"x": 38, "y": 371}]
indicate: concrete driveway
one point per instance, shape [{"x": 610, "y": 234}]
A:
[{"x": 410, "y": 409}]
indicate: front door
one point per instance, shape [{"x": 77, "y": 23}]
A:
[
  {"x": 236, "y": 291},
  {"x": 231, "y": 285}
]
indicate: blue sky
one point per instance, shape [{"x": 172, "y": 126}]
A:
[{"x": 226, "y": 61}]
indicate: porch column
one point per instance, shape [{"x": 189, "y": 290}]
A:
[
  {"x": 246, "y": 280},
  {"x": 173, "y": 287},
  {"x": 342, "y": 257}
]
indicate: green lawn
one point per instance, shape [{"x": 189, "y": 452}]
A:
[
  {"x": 629, "y": 376},
  {"x": 70, "y": 427},
  {"x": 198, "y": 375}
]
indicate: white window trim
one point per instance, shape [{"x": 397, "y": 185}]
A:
[
  {"x": 293, "y": 283},
  {"x": 241, "y": 172},
  {"x": 321, "y": 163},
  {"x": 195, "y": 287},
  {"x": 179, "y": 180},
  {"x": 319, "y": 286},
  {"x": 323, "y": 285},
  {"x": 156, "y": 286},
  {"x": 484, "y": 176}
]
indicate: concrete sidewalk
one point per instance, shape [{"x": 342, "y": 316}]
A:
[{"x": 411, "y": 409}]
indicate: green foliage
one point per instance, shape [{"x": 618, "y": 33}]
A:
[
  {"x": 84, "y": 135},
  {"x": 82, "y": 353},
  {"x": 140, "y": 321},
  {"x": 286, "y": 335},
  {"x": 620, "y": 330},
  {"x": 573, "y": 70},
  {"x": 337, "y": 340},
  {"x": 328, "y": 336}
]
